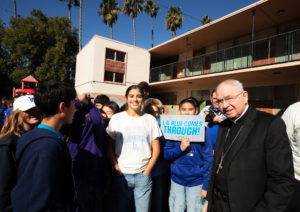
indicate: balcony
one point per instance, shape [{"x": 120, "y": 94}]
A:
[{"x": 280, "y": 48}]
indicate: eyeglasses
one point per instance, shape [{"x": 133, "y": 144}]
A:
[{"x": 229, "y": 99}]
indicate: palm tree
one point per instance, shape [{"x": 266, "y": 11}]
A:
[
  {"x": 15, "y": 8},
  {"x": 80, "y": 24},
  {"x": 132, "y": 8},
  {"x": 152, "y": 9},
  {"x": 174, "y": 20},
  {"x": 69, "y": 4},
  {"x": 206, "y": 19},
  {"x": 109, "y": 10}
]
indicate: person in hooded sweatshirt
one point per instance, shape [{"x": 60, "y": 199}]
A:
[
  {"x": 23, "y": 119},
  {"x": 190, "y": 166},
  {"x": 87, "y": 146},
  {"x": 44, "y": 180}
]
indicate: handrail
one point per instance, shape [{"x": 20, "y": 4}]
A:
[{"x": 273, "y": 53}]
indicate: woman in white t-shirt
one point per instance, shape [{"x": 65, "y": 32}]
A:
[{"x": 133, "y": 150}]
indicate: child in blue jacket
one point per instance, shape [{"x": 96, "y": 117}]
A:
[{"x": 190, "y": 166}]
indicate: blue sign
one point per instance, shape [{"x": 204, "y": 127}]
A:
[{"x": 175, "y": 127}]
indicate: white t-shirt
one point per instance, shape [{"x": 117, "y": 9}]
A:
[
  {"x": 133, "y": 138},
  {"x": 291, "y": 117}
]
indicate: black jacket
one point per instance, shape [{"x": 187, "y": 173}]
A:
[
  {"x": 45, "y": 181},
  {"x": 8, "y": 170},
  {"x": 261, "y": 174}
]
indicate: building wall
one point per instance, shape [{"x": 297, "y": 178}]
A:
[
  {"x": 269, "y": 68},
  {"x": 90, "y": 67},
  {"x": 272, "y": 98},
  {"x": 85, "y": 67},
  {"x": 186, "y": 55},
  {"x": 265, "y": 33},
  {"x": 292, "y": 25},
  {"x": 276, "y": 29},
  {"x": 243, "y": 39}
]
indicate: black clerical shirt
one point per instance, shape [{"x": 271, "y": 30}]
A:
[{"x": 232, "y": 136}]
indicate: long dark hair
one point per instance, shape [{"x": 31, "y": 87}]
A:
[
  {"x": 112, "y": 105},
  {"x": 13, "y": 124},
  {"x": 131, "y": 88},
  {"x": 134, "y": 87}
]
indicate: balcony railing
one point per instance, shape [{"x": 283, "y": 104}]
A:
[{"x": 276, "y": 49}]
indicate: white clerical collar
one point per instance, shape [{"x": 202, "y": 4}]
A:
[{"x": 243, "y": 113}]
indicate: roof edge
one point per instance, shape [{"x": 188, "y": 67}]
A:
[{"x": 251, "y": 6}]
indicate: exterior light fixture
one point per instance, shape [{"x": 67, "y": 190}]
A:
[{"x": 279, "y": 12}]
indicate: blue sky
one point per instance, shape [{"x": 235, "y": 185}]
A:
[{"x": 193, "y": 11}]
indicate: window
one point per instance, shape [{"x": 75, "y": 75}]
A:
[
  {"x": 120, "y": 56},
  {"x": 166, "y": 98},
  {"x": 109, "y": 76},
  {"x": 110, "y": 54},
  {"x": 119, "y": 77},
  {"x": 202, "y": 96},
  {"x": 286, "y": 92},
  {"x": 260, "y": 93},
  {"x": 115, "y": 55},
  {"x": 114, "y": 66}
]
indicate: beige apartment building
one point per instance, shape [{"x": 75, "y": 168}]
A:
[
  {"x": 106, "y": 66},
  {"x": 258, "y": 45}
]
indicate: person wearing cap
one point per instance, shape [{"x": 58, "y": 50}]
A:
[
  {"x": 44, "y": 180},
  {"x": 23, "y": 118}
]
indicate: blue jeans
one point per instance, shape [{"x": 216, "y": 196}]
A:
[
  {"x": 129, "y": 187},
  {"x": 184, "y": 197}
]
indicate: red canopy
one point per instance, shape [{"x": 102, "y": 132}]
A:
[
  {"x": 24, "y": 91},
  {"x": 30, "y": 79}
]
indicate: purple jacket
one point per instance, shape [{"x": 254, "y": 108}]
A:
[{"x": 88, "y": 142}]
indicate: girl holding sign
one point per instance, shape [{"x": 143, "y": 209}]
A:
[
  {"x": 133, "y": 150},
  {"x": 190, "y": 166}
]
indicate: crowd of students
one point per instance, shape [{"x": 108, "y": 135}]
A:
[{"x": 62, "y": 152}]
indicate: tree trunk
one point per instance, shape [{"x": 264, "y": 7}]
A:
[
  {"x": 152, "y": 30},
  {"x": 80, "y": 23},
  {"x": 133, "y": 31},
  {"x": 69, "y": 8},
  {"x": 15, "y": 8},
  {"x": 111, "y": 32}
]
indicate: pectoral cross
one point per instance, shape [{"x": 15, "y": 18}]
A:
[{"x": 220, "y": 164}]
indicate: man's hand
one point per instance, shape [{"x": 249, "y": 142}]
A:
[
  {"x": 185, "y": 143},
  {"x": 206, "y": 112},
  {"x": 84, "y": 98},
  {"x": 203, "y": 193},
  {"x": 217, "y": 119},
  {"x": 205, "y": 206}
]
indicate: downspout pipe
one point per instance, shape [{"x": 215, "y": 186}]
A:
[{"x": 252, "y": 35}]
